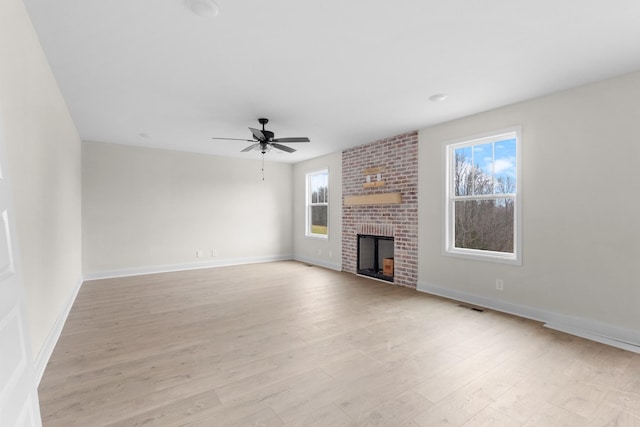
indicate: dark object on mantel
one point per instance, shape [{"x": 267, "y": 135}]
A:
[{"x": 373, "y": 253}]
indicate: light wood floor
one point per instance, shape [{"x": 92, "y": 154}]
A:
[{"x": 285, "y": 344}]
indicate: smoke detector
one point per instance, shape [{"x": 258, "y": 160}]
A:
[{"x": 205, "y": 8}]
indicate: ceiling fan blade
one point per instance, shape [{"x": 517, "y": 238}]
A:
[
  {"x": 251, "y": 147},
  {"x": 294, "y": 139},
  {"x": 257, "y": 134},
  {"x": 283, "y": 148},
  {"x": 234, "y": 139}
]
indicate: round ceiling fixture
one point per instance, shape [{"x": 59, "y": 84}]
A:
[
  {"x": 438, "y": 97},
  {"x": 205, "y": 8}
]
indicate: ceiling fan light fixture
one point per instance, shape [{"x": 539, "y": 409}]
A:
[{"x": 204, "y": 8}]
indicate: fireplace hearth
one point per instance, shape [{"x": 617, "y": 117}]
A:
[{"x": 375, "y": 256}]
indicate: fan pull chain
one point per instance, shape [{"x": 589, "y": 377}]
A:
[{"x": 263, "y": 166}]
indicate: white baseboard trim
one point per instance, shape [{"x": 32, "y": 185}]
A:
[
  {"x": 50, "y": 342},
  {"x": 139, "y": 271},
  {"x": 319, "y": 262},
  {"x": 605, "y": 333}
]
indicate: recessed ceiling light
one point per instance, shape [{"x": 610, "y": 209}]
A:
[
  {"x": 144, "y": 135},
  {"x": 438, "y": 97},
  {"x": 206, "y": 8}
]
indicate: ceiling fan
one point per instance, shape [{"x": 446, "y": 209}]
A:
[{"x": 263, "y": 140}]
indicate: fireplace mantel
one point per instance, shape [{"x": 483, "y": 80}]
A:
[{"x": 374, "y": 199}]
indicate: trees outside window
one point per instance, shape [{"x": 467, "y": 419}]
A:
[
  {"x": 318, "y": 203},
  {"x": 483, "y": 197}
]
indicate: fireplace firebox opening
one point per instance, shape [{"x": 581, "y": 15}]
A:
[{"x": 375, "y": 256}]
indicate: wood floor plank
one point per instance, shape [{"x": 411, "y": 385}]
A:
[
  {"x": 489, "y": 417},
  {"x": 287, "y": 344}
]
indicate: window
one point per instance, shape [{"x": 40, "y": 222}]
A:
[
  {"x": 318, "y": 203},
  {"x": 483, "y": 198}
]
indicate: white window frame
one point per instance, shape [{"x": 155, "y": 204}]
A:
[
  {"x": 450, "y": 198},
  {"x": 309, "y": 204}
]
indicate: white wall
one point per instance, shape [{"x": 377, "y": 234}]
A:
[
  {"x": 152, "y": 210},
  {"x": 43, "y": 150},
  {"x": 323, "y": 252},
  {"x": 580, "y": 190}
]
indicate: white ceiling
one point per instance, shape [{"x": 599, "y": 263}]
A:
[{"x": 344, "y": 73}]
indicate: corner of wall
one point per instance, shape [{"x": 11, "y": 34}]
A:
[{"x": 52, "y": 337}]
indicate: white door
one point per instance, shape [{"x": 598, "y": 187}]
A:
[{"x": 18, "y": 389}]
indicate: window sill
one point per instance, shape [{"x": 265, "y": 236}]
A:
[
  {"x": 317, "y": 236},
  {"x": 485, "y": 256}
]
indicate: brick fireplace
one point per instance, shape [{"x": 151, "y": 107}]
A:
[{"x": 380, "y": 197}]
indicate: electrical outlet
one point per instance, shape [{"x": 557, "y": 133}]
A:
[
  {"x": 500, "y": 284},
  {"x": 214, "y": 252},
  {"x": 199, "y": 253}
]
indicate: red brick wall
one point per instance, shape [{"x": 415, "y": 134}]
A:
[{"x": 399, "y": 156}]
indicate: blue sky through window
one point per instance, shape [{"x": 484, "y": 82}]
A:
[{"x": 497, "y": 163}]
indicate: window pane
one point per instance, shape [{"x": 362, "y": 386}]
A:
[
  {"x": 484, "y": 225},
  {"x": 318, "y": 219},
  {"x": 322, "y": 194},
  {"x": 318, "y": 186},
  {"x": 483, "y": 168},
  {"x": 505, "y": 166},
  {"x": 463, "y": 178},
  {"x": 317, "y": 203}
]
